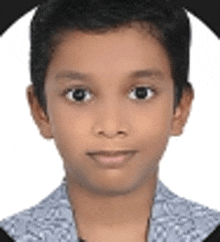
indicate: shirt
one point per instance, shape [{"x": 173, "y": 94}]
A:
[{"x": 173, "y": 219}]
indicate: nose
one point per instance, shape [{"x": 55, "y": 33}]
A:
[
  {"x": 111, "y": 133},
  {"x": 111, "y": 122}
]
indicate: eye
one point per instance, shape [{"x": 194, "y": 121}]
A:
[
  {"x": 142, "y": 93},
  {"x": 78, "y": 94}
]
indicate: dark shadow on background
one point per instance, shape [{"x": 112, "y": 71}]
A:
[{"x": 206, "y": 10}]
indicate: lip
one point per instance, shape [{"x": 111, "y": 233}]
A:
[{"x": 112, "y": 159}]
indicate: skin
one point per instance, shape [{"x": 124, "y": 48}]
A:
[{"x": 111, "y": 204}]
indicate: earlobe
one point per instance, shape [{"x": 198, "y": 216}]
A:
[
  {"x": 182, "y": 112},
  {"x": 38, "y": 115}
]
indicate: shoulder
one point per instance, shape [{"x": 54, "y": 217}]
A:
[
  {"x": 48, "y": 221},
  {"x": 181, "y": 218}
]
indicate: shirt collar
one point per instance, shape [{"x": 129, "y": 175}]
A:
[
  {"x": 172, "y": 218},
  {"x": 60, "y": 195}
]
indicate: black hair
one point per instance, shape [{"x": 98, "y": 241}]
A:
[{"x": 169, "y": 23}]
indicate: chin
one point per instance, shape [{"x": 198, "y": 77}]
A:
[{"x": 112, "y": 190}]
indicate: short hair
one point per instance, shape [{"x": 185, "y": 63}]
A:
[{"x": 169, "y": 24}]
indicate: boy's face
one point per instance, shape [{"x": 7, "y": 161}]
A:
[{"x": 111, "y": 115}]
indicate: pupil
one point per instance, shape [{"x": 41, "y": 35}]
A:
[
  {"x": 141, "y": 92},
  {"x": 78, "y": 94}
]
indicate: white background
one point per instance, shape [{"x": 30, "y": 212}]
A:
[{"x": 30, "y": 166}]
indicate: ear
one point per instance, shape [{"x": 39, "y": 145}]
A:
[
  {"x": 41, "y": 119},
  {"x": 182, "y": 111}
]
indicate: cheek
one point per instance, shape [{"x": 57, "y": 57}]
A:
[
  {"x": 153, "y": 126},
  {"x": 67, "y": 122},
  {"x": 70, "y": 131}
]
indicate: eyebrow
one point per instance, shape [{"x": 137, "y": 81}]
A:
[{"x": 75, "y": 75}]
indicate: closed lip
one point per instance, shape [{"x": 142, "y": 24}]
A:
[
  {"x": 111, "y": 153},
  {"x": 112, "y": 159}
]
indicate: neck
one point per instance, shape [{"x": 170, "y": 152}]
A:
[{"x": 94, "y": 212}]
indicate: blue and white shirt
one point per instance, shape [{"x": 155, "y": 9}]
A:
[{"x": 173, "y": 219}]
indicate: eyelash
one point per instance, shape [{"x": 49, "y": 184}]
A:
[{"x": 68, "y": 90}]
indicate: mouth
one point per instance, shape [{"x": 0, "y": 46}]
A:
[{"x": 112, "y": 159}]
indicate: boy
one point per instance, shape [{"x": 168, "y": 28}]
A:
[{"x": 110, "y": 87}]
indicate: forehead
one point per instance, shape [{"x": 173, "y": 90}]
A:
[
  {"x": 118, "y": 51},
  {"x": 129, "y": 34}
]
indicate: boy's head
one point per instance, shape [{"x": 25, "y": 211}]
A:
[
  {"x": 106, "y": 73},
  {"x": 166, "y": 22}
]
